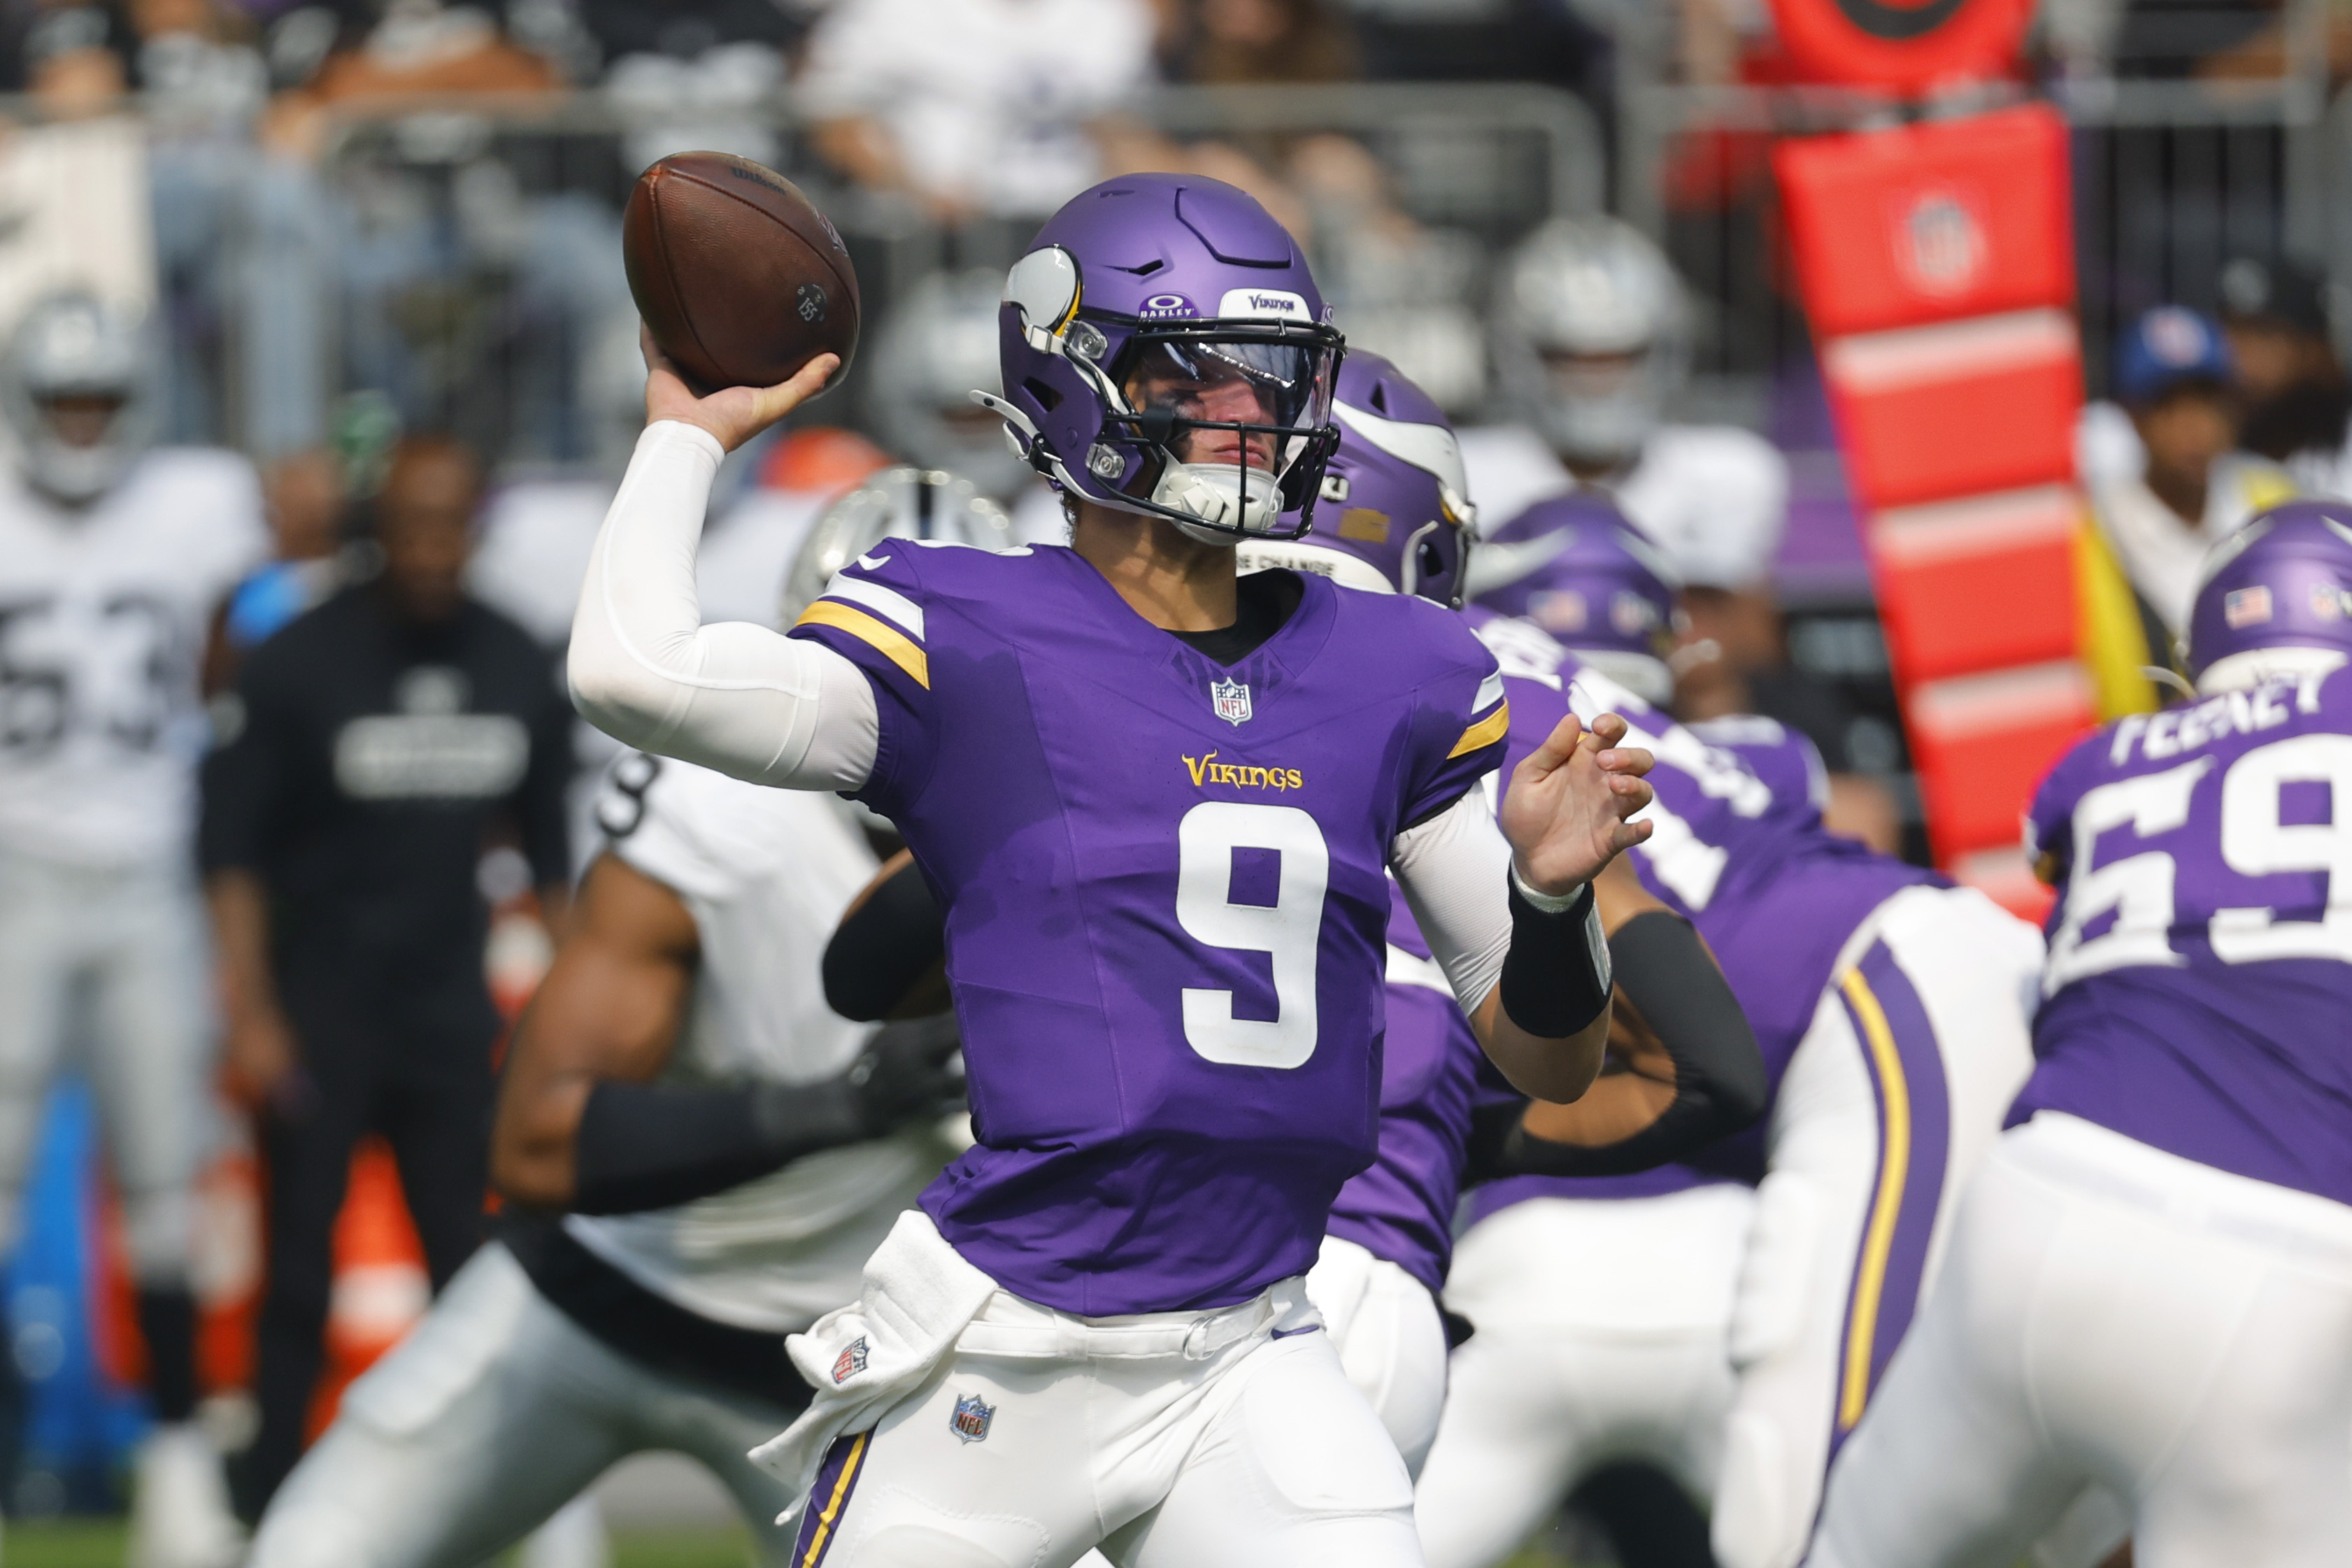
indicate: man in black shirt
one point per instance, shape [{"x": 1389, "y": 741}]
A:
[{"x": 372, "y": 744}]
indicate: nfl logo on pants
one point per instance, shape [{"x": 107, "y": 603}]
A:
[{"x": 970, "y": 1419}]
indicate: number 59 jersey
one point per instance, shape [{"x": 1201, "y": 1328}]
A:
[
  {"x": 2199, "y": 991},
  {"x": 1167, "y": 901}
]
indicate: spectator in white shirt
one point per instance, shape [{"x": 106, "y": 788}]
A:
[{"x": 974, "y": 106}]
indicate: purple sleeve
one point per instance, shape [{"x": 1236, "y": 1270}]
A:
[
  {"x": 873, "y": 614},
  {"x": 2050, "y": 816},
  {"x": 1458, "y": 736}
]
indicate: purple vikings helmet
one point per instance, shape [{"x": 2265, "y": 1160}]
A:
[
  {"x": 2277, "y": 599},
  {"x": 1574, "y": 566},
  {"x": 1165, "y": 351},
  {"x": 1397, "y": 518}
]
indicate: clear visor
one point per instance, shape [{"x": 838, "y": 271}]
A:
[{"x": 1253, "y": 403}]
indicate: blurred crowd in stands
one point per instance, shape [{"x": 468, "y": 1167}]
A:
[{"x": 308, "y": 299}]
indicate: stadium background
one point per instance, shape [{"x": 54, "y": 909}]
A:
[{"x": 356, "y": 220}]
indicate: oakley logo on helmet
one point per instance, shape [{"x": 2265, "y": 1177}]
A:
[
  {"x": 1270, "y": 304},
  {"x": 1167, "y": 308}
]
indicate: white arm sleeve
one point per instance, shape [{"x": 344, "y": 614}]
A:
[
  {"x": 739, "y": 698},
  {"x": 1454, "y": 869}
]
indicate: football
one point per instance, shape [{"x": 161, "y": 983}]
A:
[{"x": 742, "y": 281}]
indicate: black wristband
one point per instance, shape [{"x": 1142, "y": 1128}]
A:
[
  {"x": 1555, "y": 977},
  {"x": 878, "y": 953},
  {"x": 1720, "y": 1087},
  {"x": 650, "y": 1146}
]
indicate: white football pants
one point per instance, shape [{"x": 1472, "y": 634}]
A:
[
  {"x": 1601, "y": 1334},
  {"x": 2115, "y": 1314},
  {"x": 1391, "y": 1340},
  {"x": 1891, "y": 1098},
  {"x": 492, "y": 1415},
  {"x": 130, "y": 939},
  {"x": 1043, "y": 1435}
]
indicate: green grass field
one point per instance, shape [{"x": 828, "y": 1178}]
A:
[{"x": 98, "y": 1544}]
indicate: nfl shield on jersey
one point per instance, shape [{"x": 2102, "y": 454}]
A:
[
  {"x": 1166, "y": 966},
  {"x": 2200, "y": 953}
]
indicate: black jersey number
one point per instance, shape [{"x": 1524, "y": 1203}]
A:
[
  {"x": 121, "y": 687},
  {"x": 34, "y": 693},
  {"x": 621, "y": 808}
]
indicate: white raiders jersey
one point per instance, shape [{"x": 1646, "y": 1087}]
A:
[
  {"x": 103, "y": 616},
  {"x": 766, "y": 874},
  {"x": 1713, "y": 497}
]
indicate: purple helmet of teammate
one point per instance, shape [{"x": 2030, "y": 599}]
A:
[
  {"x": 1396, "y": 514},
  {"x": 1165, "y": 351},
  {"x": 2275, "y": 600},
  {"x": 1574, "y": 566}
]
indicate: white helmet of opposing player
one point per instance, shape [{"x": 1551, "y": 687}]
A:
[
  {"x": 931, "y": 350},
  {"x": 77, "y": 387},
  {"x": 897, "y": 503},
  {"x": 1592, "y": 336}
]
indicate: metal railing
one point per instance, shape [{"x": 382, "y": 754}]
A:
[{"x": 472, "y": 297}]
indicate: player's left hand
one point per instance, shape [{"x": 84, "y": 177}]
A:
[{"x": 1566, "y": 809}]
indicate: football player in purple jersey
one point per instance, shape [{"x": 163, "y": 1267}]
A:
[
  {"x": 2150, "y": 1284},
  {"x": 1685, "y": 1067},
  {"x": 1160, "y": 804},
  {"x": 1728, "y": 1318}
]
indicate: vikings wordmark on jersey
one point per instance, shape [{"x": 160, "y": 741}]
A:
[{"x": 1168, "y": 901}]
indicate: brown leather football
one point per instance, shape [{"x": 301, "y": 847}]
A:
[{"x": 742, "y": 280}]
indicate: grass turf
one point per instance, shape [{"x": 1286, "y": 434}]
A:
[{"x": 98, "y": 1544}]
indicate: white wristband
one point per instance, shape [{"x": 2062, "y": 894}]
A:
[{"x": 1546, "y": 902}]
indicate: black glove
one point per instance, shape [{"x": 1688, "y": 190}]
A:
[
  {"x": 907, "y": 1071},
  {"x": 643, "y": 1146}
]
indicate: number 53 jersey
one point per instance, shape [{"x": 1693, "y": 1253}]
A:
[
  {"x": 102, "y": 619},
  {"x": 2199, "y": 991},
  {"x": 1165, "y": 898}
]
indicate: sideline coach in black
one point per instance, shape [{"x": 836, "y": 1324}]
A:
[{"x": 372, "y": 745}]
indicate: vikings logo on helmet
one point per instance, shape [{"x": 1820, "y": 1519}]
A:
[
  {"x": 1121, "y": 389},
  {"x": 970, "y": 1419},
  {"x": 851, "y": 1361}
]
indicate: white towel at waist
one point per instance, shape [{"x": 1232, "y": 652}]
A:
[
  {"x": 922, "y": 1302},
  {"x": 865, "y": 1358}
]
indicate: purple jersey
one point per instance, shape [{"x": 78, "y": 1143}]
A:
[
  {"x": 1167, "y": 894},
  {"x": 1737, "y": 849},
  {"x": 1402, "y": 1207},
  {"x": 2199, "y": 978}
]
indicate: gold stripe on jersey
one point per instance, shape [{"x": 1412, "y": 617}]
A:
[
  {"x": 888, "y": 640},
  {"x": 1484, "y": 732},
  {"x": 1886, "y": 1206}
]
